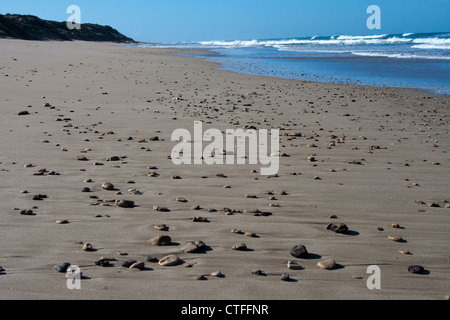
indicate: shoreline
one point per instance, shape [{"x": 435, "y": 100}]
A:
[{"x": 374, "y": 148}]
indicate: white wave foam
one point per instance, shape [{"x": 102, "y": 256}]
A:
[{"x": 398, "y": 55}]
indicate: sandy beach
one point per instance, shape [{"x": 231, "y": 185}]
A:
[{"x": 374, "y": 159}]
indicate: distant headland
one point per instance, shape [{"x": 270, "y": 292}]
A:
[{"x": 28, "y": 27}]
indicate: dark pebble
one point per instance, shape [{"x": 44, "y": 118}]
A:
[
  {"x": 62, "y": 267},
  {"x": 128, "y": 263},
  {"x": 415, "y": 269},
  {"x": 299, "y": 251},
  {"x": 258, "y": 272},
  {"x": 341, "y": 228},
  {"x": 285, "y": 277}
]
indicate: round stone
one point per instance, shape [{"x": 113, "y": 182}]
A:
[
  {"x": 170, "y": 260},
  {"x": 416, "y": 269},
  {"x": 328, "y": 264},
  {"x": 193, "y": 246},
  {"x": 299, "y": 251},
  {"x": 125, "y": 203},
  {"x": 107, "y": 186},
  {"x": 160, "y": 241}
]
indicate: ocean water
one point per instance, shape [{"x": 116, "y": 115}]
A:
[{"x": 412, "y": 60}]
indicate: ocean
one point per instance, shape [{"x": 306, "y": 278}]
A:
[{"x": 410, "y": 60}]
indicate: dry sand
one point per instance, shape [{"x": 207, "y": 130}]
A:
[{"x": 102, "y": 94}]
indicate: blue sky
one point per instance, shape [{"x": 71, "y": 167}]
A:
[{"x": 190, "y": 20}]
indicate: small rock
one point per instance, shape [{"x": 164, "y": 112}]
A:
[
  {"x": 200, "y": 277},
  {"x": 138, "y": 265},
  {"x": 107, "y": 186},
  {"x": 125, "y": 203},
  {"x": 102, "y": 263},
  {"x": 180, "y": 199},
  {"x": 27, "y": 212},
  {"x": 160, "y": 241},
  {"x": 293, "y": 265},
  {"x": 258, "y": 272},
  {"x": 128, "y": 263},
  {"x": 152, "y": 259},
  {"x": 161, "y": 227},
  {"x": 250, "y": 234},
  {"x": 285, "y": 277},
  {"x": 240, "y": 247},
  {"x": 396, "y": 238},
  {"x": 199, "y": 219},
  {"x": 395, "y": 225},
  {"x": 328, "y": 264},
  {"x": 416, "y": 269},
  {"x": 217, "y": 274},
  {"x": 81, "y": 158},
  {"x": 169, "y": 260},
  {"x": 193, "y": 246},
  {"x": 87, "y": 247},
  {"x": 341, "y": 228},
  {"x": 404, "y": 251},
  {"x": 62, "y": 221},
  {"x": 61, "y": 267},
  {"x": 299, "y": 251},
  {"x": 161, "y": 209},
  {"x": 113, "y": 158}
]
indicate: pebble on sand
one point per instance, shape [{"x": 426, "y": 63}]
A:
[
  {"x": 328, "y": 264},
  {"x": 299, "y": 251},
  {"x": 340, "y": 228},
  {"x": 170, "y": 260},
  {"x": 61, "y": 267},
  {"x": 125, "y": 203},
  {"x": 292, "y": 265},
  {"x": 240, "y": 247},
  {"x": 193, "y": 246},
  {"x": 138, "y": 265},
  {"x": 160, "y": 241},
  {"x": 396, "y": 238},
  {"x": 107, "y": 186},
  {"x": 416, "y": 269}
]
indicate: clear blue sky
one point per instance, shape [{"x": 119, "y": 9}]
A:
[{"x": 189, "y": 20}]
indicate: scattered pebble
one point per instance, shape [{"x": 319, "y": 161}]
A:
[
  {"x": 240, "y": 247},
  {"x": 292, "y": 265},
  {"x": 299, "y": 251},
  {"x": 340, "y": 228},
  {"x": 61, "y": 267},
  {"x": 285, "y": 277},
  {"x": 138, "y": 265},
  {"x": 125, "y": 203},
  {"x": 193, "y": 246},
  {"x": 160, "y": 241},
  {"x": 416, "y": 269},
  {"x": 170, "y": 260},
  {"x": 328, "y": 264},
  {"x": 107, "y": 186},
  {"x": 396, "y": 238}
]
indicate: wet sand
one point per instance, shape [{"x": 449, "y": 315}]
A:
[{"x": 381, "y": 158}]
